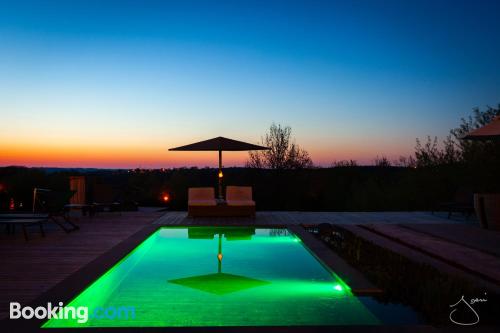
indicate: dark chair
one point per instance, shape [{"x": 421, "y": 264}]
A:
[
  {"x": 463, "y": 202},
  {"x": 201, "y": 202},
  {"x": 239, "y": 200},
  {"x": 47, "y": 206},
  {"x": 53, "y": 204},
  {"x": 105, "y": 198}
]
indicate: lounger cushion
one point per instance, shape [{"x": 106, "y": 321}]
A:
[
  {"x": 239, "y": 193},
  {"x": 241, "y": 203},
  {"x": 201, "y": 193},
  {"x": 201, "y": 196}
]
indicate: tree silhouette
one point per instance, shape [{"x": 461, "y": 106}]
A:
[{"x": 284, "y": 153}]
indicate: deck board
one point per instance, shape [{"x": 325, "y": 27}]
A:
[
  {"x": 478, "y": 267},
  {"x": 487, "y": 241},
  {"x": 294, "y": 218},
  {"x": 462, "y": 256}
]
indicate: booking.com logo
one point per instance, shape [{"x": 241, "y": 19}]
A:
[{"x": 80, "y": 314}]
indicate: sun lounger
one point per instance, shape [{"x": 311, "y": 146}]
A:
[
  {"x": 52, "y": 204},
  {"x": 22, "y": 217},
  {"x": 201, "y": 201},
  {"x": 23, "y": 222},
  {"x": 84, "y": 208},
  {"x": 239, "y": 199}
]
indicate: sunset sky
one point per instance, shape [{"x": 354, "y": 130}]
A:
[{"x": 117, "y": 83}]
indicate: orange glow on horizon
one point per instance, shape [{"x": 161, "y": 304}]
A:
[
  {"x": 110, "y": 156},
  {"x": 143, "y": 155}
]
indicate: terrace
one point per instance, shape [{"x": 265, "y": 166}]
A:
[
  {"x": 61, "y": 265},
  {"x": 151, "y": 181}
]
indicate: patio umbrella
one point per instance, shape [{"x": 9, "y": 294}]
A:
[
  {"x": 219, "y": 144},
  {"x": 487, "y": 205},
  {"x": 220, "y": 283},
  {"x": 489, "y": 131}
]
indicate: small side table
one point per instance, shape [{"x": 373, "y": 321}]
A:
[{"x": 86, "y": 209}]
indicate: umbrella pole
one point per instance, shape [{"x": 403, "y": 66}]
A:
[
  {"x": 219, "y": 256},
  {"x": 219, "y": 175}
]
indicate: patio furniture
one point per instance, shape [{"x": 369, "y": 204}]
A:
[
  {"x": 239, "y": 198},
  {"x": 104, "y": 199},
  {"x": 84, "y": 208},
  {"x": 26, "y": 222},
  {"x": 201, "y": 201},
  {"x": 463, "y": 202},
  {"x": 53, "y": 204},
  {"x": 219, "y": 144}
]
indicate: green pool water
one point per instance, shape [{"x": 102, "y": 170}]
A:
[{"x": 215, "y": 276}]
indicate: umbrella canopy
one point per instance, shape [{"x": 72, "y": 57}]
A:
[
  {"x": 219, "y": 283},
  {"x": 489, "y": 131},
  {"x": 219, "y": 144}
]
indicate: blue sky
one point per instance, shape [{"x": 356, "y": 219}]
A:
[{"x": 354, "y": 79}]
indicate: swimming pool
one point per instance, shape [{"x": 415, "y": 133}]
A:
[{"x": 219, "y": 276}]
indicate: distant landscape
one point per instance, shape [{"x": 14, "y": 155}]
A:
[{"x": 286, "y": 179}]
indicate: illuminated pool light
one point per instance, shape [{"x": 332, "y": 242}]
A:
[{"x": 338, "y": 287}]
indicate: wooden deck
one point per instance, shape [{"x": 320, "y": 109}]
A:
[
  {"x": 294, "y": 218},
  {"x": 451, "y": 252},
  {"x": 27, "y": 269}
]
